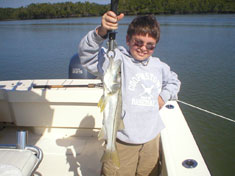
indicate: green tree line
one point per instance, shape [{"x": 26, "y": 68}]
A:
[{"x": 129, "y": 7}]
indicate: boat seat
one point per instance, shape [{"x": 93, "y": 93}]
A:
[{"x": 19, "y": 162}]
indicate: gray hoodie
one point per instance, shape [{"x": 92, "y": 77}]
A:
[{"x": 142, "y": 83}]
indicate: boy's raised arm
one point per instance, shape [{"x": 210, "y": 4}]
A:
[
  {"x": 109, "y": 22},
  {"x": 90, "y": 52}
]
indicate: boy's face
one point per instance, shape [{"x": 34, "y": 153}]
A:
[{"x": 141, "y": 47}]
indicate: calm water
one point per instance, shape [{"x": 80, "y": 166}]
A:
[{"x": 200, "y": 48}]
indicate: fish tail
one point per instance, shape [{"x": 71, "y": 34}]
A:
[{"x": 111, "y": 155}]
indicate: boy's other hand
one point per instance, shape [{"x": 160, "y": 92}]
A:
[
  {"x": 160, "y": 102},
  {"x": 109, "y": 22}
]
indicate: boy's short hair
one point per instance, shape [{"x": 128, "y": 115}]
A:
[{"x": 143, "y": 25}]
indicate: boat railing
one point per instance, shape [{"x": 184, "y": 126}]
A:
[{"x": 20, "y": 158}]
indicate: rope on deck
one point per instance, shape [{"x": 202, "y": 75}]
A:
[{"x": 204, "y": 110}]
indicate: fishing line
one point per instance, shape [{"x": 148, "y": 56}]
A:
[{"x": 204, "y": 110}]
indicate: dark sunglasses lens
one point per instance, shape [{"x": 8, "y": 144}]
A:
[
  {"x": 150, "y": 46},
  {"x": 140, "y": 43}
]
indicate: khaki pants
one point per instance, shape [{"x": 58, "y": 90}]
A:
[{"x": 135, "y": 160}]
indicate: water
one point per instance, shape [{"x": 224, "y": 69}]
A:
[{"x": 200, "y": 48}]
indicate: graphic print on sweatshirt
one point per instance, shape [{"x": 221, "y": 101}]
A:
[{"x": 146, "y": 87}]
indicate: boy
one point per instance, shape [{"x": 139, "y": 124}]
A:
[{"x": 147, "y": 83}]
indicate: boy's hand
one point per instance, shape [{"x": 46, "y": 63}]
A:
[
  {"x": 109, "y": 22},
  {"x": 160, "y": 102}
]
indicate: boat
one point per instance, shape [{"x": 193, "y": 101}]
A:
[{"x": 60, "y": 118}]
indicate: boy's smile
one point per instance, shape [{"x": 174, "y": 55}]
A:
[{"x": 141, "y": 47}]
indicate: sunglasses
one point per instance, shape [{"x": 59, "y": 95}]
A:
[{"x": 140, "y": 43}]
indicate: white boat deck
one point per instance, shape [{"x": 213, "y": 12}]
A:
[
  {"x": 64, "y": 123},
  {"x": 63, "y": 155}
]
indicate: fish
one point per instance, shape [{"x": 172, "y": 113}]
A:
[{"x": 111, "y": 105}]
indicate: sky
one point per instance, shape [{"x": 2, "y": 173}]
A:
[{"x": 20, "y": 3}]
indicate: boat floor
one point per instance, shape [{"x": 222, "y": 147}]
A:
[{"x": 63, "y": 153}]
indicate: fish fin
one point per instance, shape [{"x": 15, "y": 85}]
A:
[
  {"x": 116, "y": 87},
  {"x": 111, "y": 155},
  {"x": 121, "y": 125},
  {"x": 102, "y": 133},
  {"x": 101, "y": 103}
]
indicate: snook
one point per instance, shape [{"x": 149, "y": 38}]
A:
[{"x": 111, "y": 105}]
